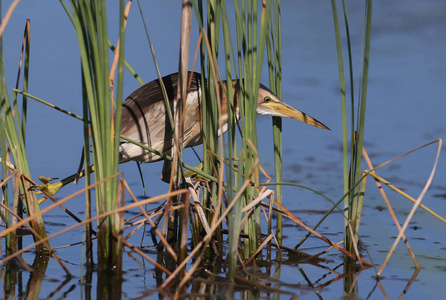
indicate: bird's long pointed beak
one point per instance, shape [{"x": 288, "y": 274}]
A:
[{"x": 281, "y": 109}]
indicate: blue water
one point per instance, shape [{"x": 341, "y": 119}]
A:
[{"x": 406, "y": 101}]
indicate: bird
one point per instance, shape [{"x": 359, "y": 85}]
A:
[{"x": 144, "y": 118}]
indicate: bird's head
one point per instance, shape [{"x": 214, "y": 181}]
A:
[{"x": 270, "y": 105}]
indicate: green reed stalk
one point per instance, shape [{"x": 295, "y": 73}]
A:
[
  {"x": 90, "y": 22},
  {"x": 88, "y": 197},
  {"x": 353, "y": 202},
  {"x": 230, "y": 150},
  {"x": 357, "y": 204},
  {"x": 13, "y": 124},
  {"x": 210, "y": 105},
  {"x": 251, "y": 117},
  {"x": 247, "y": 156},
  {"x": 274, "y": 51},
  {"x": 345, "y": 139}
]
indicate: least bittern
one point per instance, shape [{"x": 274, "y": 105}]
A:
[{"x": 144, "y": 118}]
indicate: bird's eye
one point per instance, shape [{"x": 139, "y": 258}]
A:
[{"x": 267, "y": 99}]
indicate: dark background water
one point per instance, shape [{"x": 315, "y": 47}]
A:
[{"x": 406, "y": 102}]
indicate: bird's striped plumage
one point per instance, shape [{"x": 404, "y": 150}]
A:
[{"x": 144, "y": 117}]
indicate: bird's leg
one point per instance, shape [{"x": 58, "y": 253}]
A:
[
  {"x": 167, "y": 171},
  {"x": 53, "y": 188}
]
